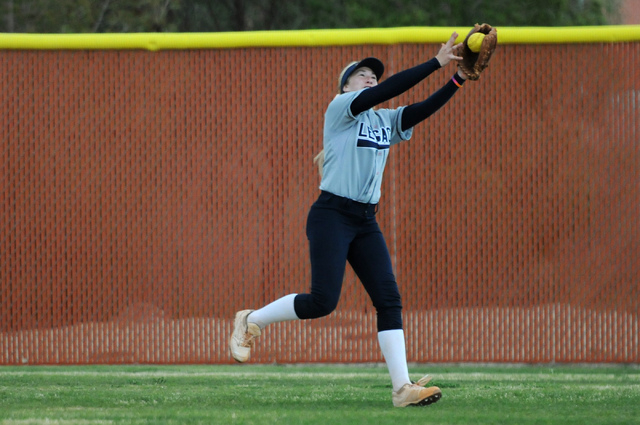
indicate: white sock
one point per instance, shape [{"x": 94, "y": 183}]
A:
[
  {"x": 395, "y": 354},
  {"x": 280, "y": 310}
]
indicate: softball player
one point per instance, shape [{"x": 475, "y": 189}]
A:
[{"x": 341, "y": 225}]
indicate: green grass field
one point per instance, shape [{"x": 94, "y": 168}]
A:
[{"x": 322, "y": 394}]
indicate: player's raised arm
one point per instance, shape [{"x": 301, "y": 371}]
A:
[{"x": 404, "y": 80}]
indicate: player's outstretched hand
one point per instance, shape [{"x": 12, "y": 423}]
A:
[{"x": 446, "y": 53}]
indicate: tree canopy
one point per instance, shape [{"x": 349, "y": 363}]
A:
[{"x": 90, "y": 16}]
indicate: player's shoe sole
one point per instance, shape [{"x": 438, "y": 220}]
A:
[
  {"x": 429, "y": 400},
  {"x": 243, "y": 336}
]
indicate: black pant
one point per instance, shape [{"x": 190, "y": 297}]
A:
[{"x": 341, "y": 230}]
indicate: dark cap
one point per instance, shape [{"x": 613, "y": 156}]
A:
[{"x": 373, "y": 63}]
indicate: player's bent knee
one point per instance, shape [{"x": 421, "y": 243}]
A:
[{"x": 310, "y": 307}]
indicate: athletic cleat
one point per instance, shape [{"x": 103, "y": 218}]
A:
[
  {"x": 243, "y": 336},
  {"x": 416, "y": 394}
]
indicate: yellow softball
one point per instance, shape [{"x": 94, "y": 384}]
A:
[{"x": 475, "y": 41}]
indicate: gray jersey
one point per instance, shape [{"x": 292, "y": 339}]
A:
[{"x": 356, "y": 148}]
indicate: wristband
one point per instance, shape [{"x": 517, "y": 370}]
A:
[{"x": 459, "y": 84}]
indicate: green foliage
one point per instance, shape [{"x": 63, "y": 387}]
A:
[
  {"x": 139, "y": 16},
  {"x": 63, "y": 16}
]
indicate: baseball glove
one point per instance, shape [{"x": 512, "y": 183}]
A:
[{"x": 472, "y": 64}]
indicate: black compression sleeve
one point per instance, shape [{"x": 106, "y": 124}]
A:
[
  {"x": 393, "y": 86},
  {"x": 418, "y": 112}
]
